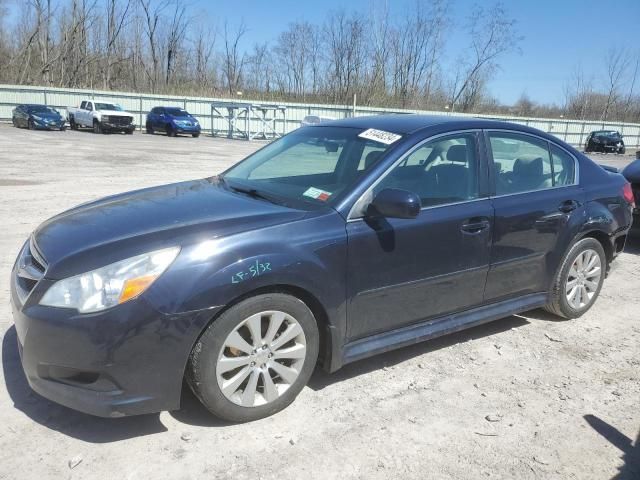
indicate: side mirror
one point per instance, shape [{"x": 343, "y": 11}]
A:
[{"x": 395, "y": 203}]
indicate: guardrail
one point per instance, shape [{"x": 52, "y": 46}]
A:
[{"x": 573, "y": 132}]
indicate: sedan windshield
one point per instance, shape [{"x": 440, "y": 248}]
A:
[
  {"x": 41, "y": 109},
  {"x": 313, "y": 164}
]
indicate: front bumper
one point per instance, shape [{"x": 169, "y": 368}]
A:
[
  {"x": 45, "y": 125},
  {"x": 187, "y": 128},
  {"x": 117, "y": 127},
  {"x": 126, "y": 360}
]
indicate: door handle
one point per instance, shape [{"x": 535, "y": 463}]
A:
[
  {"x": 475, "y": 225},
  {"x": 568, "y": 206}
]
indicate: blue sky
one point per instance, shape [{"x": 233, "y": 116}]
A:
[{"x": 558, "y": 34}]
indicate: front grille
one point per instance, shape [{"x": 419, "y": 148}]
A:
[
  {"x": 30, "y": 269},
  {"x": 118, "y": 120}
]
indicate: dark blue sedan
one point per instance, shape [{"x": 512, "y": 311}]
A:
[
  {"x": 172, "y": 121},
  {"x": 329, "y": 245},
  {"x": 40, "y": 117}
]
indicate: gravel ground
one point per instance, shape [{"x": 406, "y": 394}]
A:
[{"x": 526, "y": 397}]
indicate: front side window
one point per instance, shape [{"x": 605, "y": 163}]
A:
[
  {"x": 521, "y": 163},
  {"x": 442, "y": 171},
  {"x": 314, "y": 165}
]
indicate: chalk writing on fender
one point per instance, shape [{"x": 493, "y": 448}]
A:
[{"x": 256, "y": 269}]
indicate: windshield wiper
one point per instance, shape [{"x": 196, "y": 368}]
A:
[{"x": 252, "y": 192}]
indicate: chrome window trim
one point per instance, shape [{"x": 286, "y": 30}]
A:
[
  {"x": 576, "y": 163},
  {"x": 351, "y": 217}
]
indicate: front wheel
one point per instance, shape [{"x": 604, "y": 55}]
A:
[
  {"x": 579, "y": 279},
  {"x": 622, "y": 151},
  {"x": 31, "y": 125},
  {"x": 171, "y": 132},
  {"x": 97, "y": 128},
  {"x": 254, "y": 359},
  {"x": 195, "y": 135}
]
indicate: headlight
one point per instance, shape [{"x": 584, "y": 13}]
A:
[
  {"x": 111, "y": 285},
  {"x": 196, "y": 123}
]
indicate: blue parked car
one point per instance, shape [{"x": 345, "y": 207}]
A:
[
  {"x": 172, "y": 121},
  {"x": 33, "y": 116},
  {"x": 329, "y": 245}
]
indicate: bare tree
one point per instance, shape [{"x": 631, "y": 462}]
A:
[
  {"x": 493, "y": 34},
  {"x": 175, "y": 37},
  {"x": 617, "y": 64},
  {"x": 234, "y": 59},
  {"x": 152, "y": 16}
]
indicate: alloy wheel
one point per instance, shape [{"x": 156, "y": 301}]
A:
[
  {"x": 261, "y": 358},
  {"x": 583, "y": 279}
]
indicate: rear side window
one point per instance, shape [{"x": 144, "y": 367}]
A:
[
  {"x": 521, "y": 163},
  {"x": 564, "y": 167}
]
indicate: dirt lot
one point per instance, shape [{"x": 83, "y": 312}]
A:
[{"x": 526, "y": 397}]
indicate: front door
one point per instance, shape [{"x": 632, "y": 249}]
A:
[{"x": 403, "y": 271}]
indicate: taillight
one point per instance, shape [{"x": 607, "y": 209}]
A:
[{"x": 627, "y": 193}]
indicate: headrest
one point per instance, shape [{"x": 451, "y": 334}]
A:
[
  {"x": 457, "y": 153},
  {"x": 530, "y": 167},
  {"x": 371, "y": 158}
]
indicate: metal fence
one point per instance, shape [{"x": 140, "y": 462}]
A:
[{"x": 573, "y": 132}]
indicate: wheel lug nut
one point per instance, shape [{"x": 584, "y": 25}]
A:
[
  {"x": 253, "y": 364},
  {"x": 264, "y": 347}
]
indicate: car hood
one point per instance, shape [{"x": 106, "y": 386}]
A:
[
  {"x": 110, "y": 229},
  {"x": 115, "y": 113}
]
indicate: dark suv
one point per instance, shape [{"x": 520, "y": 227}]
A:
[
  {"x": 605, "y": 141},
  {"x": 331, "y": 244}
]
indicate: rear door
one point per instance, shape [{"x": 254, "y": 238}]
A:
[
  {"x": 536, "y": 198},
  {"x": 403, "y": 271}
]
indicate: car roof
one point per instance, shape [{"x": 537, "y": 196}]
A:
[{"x": 411, "y": 123}]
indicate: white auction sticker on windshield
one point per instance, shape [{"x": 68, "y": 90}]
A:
[
  {"x": 380, "y": 136},
  {"x": 318, "y": 194}
]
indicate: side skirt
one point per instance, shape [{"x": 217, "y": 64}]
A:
[{"x": 409, "y": 335}]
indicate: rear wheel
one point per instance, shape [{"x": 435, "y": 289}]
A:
[
  {"x": 255, "y": 358},
  {"x": 579, "y": 280},
  {"x": 13, "y": 121},
  {"x": 72, "y": 123}
]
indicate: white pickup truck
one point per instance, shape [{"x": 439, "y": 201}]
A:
[{"x": 101, "y": 116}]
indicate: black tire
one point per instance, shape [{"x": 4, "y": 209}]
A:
[
  {"x": 171, "y": 132},
  {"x": 622, "y": 151},
  {"x": 31, "y": 125},
  {"x": 130, "y": 131},
  {"x": 149, "y": 128},
  {"x": 72, "y": 124},
  {"x": 558, "y": 303},
  {"x": 62, "y": 129},
  {"x": 97, "y": 128},
  {"x": 201, "y": 371},
  {"x": 195, "y": 135},
  {"x": 13, "y": 121}
]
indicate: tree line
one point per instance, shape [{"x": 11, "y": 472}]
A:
[{"x": 168, "y": 47}]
